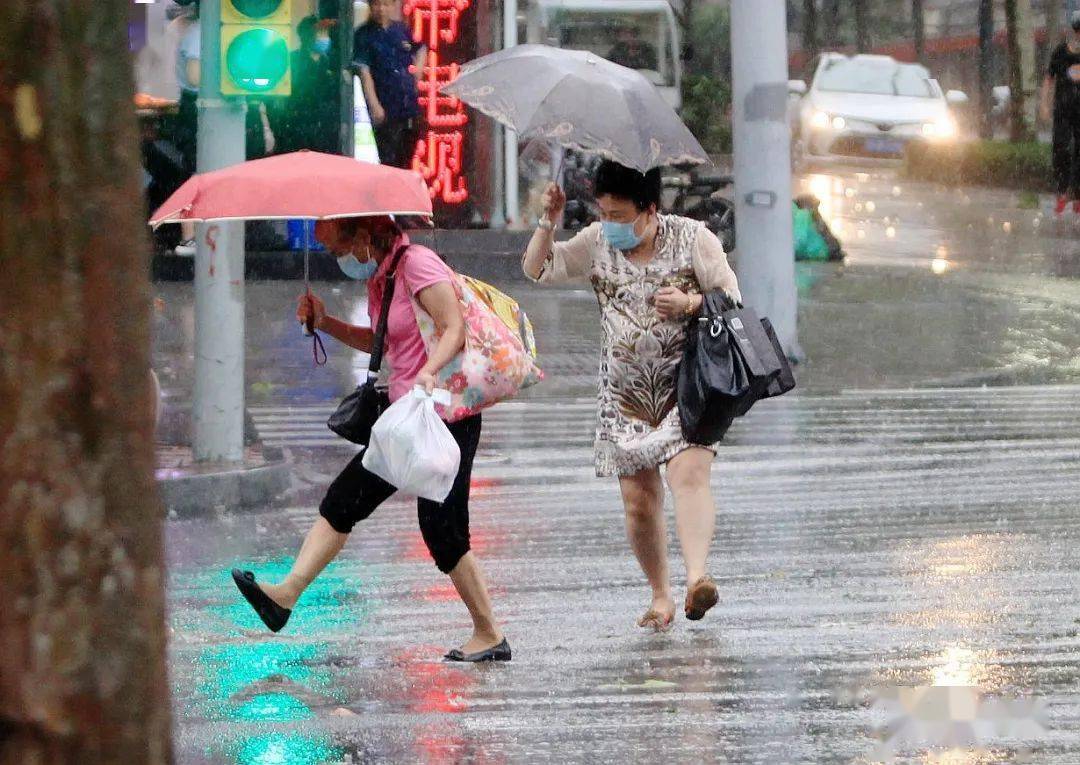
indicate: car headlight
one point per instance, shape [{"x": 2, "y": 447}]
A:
[
  {"x": 820, "y": 120},
  {"x": 839, "y": 123},
  {"x": 943, "y": 127}
]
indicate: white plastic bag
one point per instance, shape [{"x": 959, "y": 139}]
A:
[{"x": 412, "y": 449}]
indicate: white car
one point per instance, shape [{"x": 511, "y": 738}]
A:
[{"x": 867, "y": 109}]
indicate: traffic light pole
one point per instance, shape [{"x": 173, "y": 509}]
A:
[
  {"x": 766, "y": 254},
  {"x": 218, "y": 405}
]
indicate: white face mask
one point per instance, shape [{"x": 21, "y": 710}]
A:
[{"x": 351, "y": 266}]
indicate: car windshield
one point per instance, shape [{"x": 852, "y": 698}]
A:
[{"x": 882, "y": 79}]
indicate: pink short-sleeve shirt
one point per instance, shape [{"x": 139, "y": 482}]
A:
[{"x": 404, "y": 350}]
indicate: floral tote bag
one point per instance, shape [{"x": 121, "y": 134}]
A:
[{"x": 494, "y": 364}]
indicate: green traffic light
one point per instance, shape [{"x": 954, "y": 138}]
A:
[
  {"x": 257, "y": 9},
  {"x": 257, "y": 59}
]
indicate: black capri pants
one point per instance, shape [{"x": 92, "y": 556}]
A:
[{"x": 356, "y": 492}]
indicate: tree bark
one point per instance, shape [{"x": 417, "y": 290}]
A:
[
  {"x": 918, "y": 22},
  {"x": 810, "y": 25},
  {"x": 1018, "y": 124},
  {"x": 862, "y": 27},
  {"x": 830, "y": 10},
  {"x": 986, "y": 61},
  {"x": 82, "y": 670}
]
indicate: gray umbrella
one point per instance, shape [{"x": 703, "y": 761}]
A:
[{"x": 580, "y": 101}]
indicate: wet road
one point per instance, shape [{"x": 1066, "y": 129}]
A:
[{"x": 870, "y": 535}]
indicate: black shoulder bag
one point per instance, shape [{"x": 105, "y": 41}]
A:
[
  {"x": 358, "y": 411},
  {"x": 732, "y": 360}
]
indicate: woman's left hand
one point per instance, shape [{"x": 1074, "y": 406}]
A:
[
  {"x": 671, "y": 303},
  {"x": 427, "y": 380}
]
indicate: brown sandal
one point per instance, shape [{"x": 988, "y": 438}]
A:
[
  {"x": 658, "y": 621},
  {"x": 700, "y": 598}
]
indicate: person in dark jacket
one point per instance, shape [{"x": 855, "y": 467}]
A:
[
  {"x": 308, "y": 118},
  {"x": 1061, "y": 102},
  {"x": 389, "y": 64}
]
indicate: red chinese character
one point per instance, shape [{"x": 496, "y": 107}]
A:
[
  {"x": 438, "y": 160},
  {"x": 442, "y": 19},
  {"x": 441, "y": 111}
]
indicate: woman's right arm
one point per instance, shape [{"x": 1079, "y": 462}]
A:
[
  {"x": 543, "y": 239},
  {"x": 551, "y": 262},
  {"x": 360, "y": 338}
]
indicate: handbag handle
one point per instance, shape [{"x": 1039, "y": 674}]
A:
[{"x": 379, "y": 340}]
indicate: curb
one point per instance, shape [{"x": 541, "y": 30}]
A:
[{"x": 248, "y": 488}]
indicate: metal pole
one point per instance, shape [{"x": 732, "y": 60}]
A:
[
  {"x": 510, "y": 142},
  {"x": 218, "y": 406},
  {"x": 766, "y": 259}
]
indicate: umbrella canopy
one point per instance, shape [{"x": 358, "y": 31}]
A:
[
  {"x": 579, "y": 101},
  {"x": 304, "y": 184}
]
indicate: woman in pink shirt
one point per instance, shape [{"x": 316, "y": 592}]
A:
[{"x": 366, "y": 248}]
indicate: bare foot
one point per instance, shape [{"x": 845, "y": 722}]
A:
[
  {"x": 481, "y": 642},
  {"x": 660, "y": 616},
  {"x": 700, "y": 597}
]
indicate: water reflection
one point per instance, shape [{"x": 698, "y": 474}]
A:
[
  {"x": 959, "y": 665},
  {"x": 286, "y": 749}
]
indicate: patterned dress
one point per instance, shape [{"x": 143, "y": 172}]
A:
[{"x": 637, "y": 426}]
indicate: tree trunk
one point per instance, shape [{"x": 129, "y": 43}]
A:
[
  {"x": 810, "y": 24},
  {"x": 862, "y": 27},
  {"x": 918, "y": 22},
  {"x": 830, "y": 10},
  {"x": 82, "y": 670},
  {"x": 986, "y": 63},
  {"x": 1018, "y": 126}
]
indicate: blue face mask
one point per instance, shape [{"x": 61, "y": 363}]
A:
[
  {"x": 354, "y": 269},
  {"x": 322, "y": 45},
  {"x": 622, "y": 236}
]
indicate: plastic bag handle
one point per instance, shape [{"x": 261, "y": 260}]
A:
[{"x": 439, "y": 396}]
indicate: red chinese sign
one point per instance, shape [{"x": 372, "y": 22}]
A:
[{"x": 439, "y": 153}]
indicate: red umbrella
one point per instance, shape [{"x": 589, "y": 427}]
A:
[{"x": 304, "y": 184}]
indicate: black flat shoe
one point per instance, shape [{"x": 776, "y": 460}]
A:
[
  {"x": 501, "y": 652},
  {"x": 273, "y": 615}
]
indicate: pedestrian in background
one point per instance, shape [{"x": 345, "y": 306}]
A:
[
  {"x": 389, "y": 64},
  {"x": 186, "y": 130},
  {"x": 1061, "y": 102},
  {"x": 649, "y": 272},
  {"x": 368, "y": 248},
  {"x": 308, "y": 118}
]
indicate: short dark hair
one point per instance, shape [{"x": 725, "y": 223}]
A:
[
  {"x": 643, "y": 189},
  {"x": 305, "y": 30}
]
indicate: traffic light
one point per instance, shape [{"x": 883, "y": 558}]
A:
[{"x": 255, "y": 37}]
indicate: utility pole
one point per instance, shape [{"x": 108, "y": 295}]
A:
[
  {"x": 218, "y": 404},
  {"x": 986, "y": 62},
  {"x": 766, "y": 260},
  {"x": 510, "y": 137}
]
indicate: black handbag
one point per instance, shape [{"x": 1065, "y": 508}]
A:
[
  {"x": 784, "y": 381},
  {"x": 357, "y": 412},
  {"x": 731, "y": 360}
]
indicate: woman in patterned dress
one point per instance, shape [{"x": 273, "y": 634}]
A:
[{"x": 649, "y": 272}]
